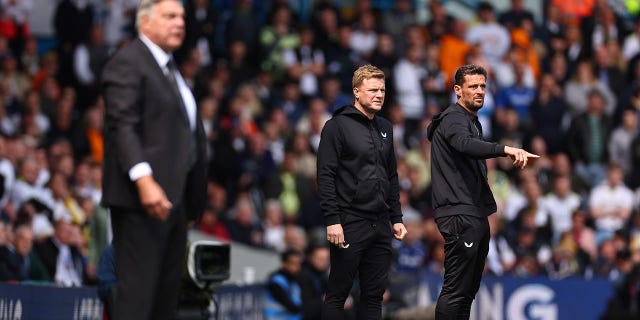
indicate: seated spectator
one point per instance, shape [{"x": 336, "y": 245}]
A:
[
  {"x": 210, "y": 224},
  {"x": 273, "y": 226},
  {"x": 284, "y": 296},
  {"x": 605, "y": 265},
  {"x": 530, "y": 254},
  {"x": 621, "y": 139},
  {"x": 295, "y": 237},
  {"x": 562, "y": 166},
  {"x": 411, "y": 252},
  {"x": 561, "y": 203},
  {"x": 587, "y": 138},
  {"x": 305, "y": 64},
  {"x": 61, "y": 258},
  {"x": 518, "y": 96},
  {"x": 583, "y": 235},
  {"x": 313, "y": 281},
  {"x": 27, "y": 186},
  {"x": 563, "y": 263},
  {"x": 577, "y": 90},
  {"x": 501, "y": 258},
  {"x": 610, "y": 204},
  {"x": 18, "y": 262},
  {"x": 243, "y": 223}
]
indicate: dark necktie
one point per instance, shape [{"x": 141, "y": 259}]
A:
[{"x": 172, "y": 68}]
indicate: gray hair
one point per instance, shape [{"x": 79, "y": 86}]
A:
[{"x": 144, "y": 9}]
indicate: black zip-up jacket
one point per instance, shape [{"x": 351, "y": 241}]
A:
[
  {"x": 458, "y": 168},
  {"x": 357, "y": 168}
]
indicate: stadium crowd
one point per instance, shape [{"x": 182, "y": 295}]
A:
[{"x": 268, "y": 74}]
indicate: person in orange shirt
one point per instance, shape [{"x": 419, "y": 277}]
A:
[
  {"x": 576, "y": 9},
  {"x": 453, "y": 49}
]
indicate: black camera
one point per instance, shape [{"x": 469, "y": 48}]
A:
[{"x": 208, "y": 263}]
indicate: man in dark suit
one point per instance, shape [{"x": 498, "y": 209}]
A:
[{"x": 154, "y": 165}]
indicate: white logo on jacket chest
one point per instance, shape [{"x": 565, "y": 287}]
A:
[{"x": 383, "y": 134}]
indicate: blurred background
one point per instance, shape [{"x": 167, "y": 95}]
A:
[{"x": 564, "y": 82}]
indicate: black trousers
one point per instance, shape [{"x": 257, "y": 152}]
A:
[
  {"x": 369, "y": 255},
  {"x": 149, "y": 258},
  {"x": 465, "y": 249}
]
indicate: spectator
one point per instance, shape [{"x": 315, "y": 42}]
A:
[
  {"x": 408, "y": 75},
  {"x": 605, "y": 265},
  {"x": 395, "y": 22},
  {"x": 210, "y": 224},
  {"x": 295, "y": 238},
  {"x": 587, "y": 137},
  {"x": 276, "y": 38},
  {"x": 18, "y": 81},
  {"x": 561, "y": 204},
  {"x": 201, "y": 20},
  {"x": 513, "y": 17},
  {"x": 619, "y": 145},
  {"x": 501, "y": 257},
  {"x": 580, "y": 87},
  {"x": 18, "y": 262},
  {"x": 341, "y": 60},
  {"x": 305, "y": 163},
  {"x": 117, "y": 21},
  {"x": 411, "y": 252},
  {"x": 631, "y": 43},
  {"x": 62, "y": 259},
  {"x": 243, "y": 223},
  {"x": 284, "y": 296},
  {"x": 491, "y": 36},
  {"x": 241, "y": 25},
  {"x": 240, "y": 71},
  {"x": 89, "y": 57},
  {"x": 548, "y": 111},
  {"x": 313, "y": 281},
  {"x": 563, "y": 262},
  {"x": 333, "y": 95},
  {"x": 305, "y": 64},
  {"x": 610, "y": 204},
  {"x": 27, "y": 186},
  {"x": 313, "y": 121},
  {"x": 72, "y": 23},
  {"x": 518, "y": 97},
  {"x": 606, "y": 71},
  {"x": 364, "y": 36},
  {"x": 273, "y": 226}
]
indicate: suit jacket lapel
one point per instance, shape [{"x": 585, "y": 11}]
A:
[{"x": 150, "y": 60}]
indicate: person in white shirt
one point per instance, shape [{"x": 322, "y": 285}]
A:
[
  {"x": 561, "y": 204},
  {"x": 492, "y": 37},
  {"x": 610, "y": 204}
]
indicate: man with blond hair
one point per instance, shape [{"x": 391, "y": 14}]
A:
[
  {"x": 154, "y": 163},
  {"x": 359, "y": 196}
]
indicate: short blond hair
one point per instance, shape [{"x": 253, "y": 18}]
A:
[{"x": 366, "y": 72}]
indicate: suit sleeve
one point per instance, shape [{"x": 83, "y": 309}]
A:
[
  {"x": 328, "y": 157},
  {"x": 460, "y": 137},
  {"x": 122, "y": 87}
]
